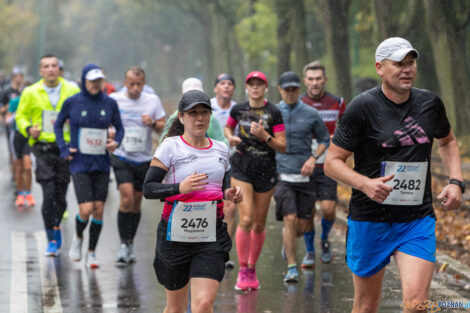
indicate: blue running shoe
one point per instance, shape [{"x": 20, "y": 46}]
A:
[
  {"x": 292, "y": 275},
  {"x": 51, "y": 249},
  {"x": 58, "y": 237}
]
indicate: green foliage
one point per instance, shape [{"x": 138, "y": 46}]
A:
[
  {"x": 257, "y": 35},
  {"x": 363, "y": 25},
  {"x": 366, "y": 66},
  {"x": 175, "y": 39}
]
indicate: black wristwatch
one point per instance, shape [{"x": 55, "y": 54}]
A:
[
  {"x": 316, "y": 156},
  {"x": 459, "y": 183}
]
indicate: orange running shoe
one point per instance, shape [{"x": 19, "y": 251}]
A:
[
  {"x": 19, "y": 200},
  {"x": 30, "y": 199}
]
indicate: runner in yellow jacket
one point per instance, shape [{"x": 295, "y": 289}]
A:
[{"x": 37, "y": 111}]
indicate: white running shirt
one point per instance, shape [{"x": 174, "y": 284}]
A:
[
  {"x": 221, "y": 114},
  {"x": 131, "y": 115},
  {"x": 182, "y": 160}
]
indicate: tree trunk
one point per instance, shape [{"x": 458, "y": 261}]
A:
[
  {"x": 337, "y": 36},
  {"x": 392, "y": 20},
  {"x": 255, "y": 62},
  {"x": 449, "y": 53},
  {"x": 283, "y": 40},
  {"x": 395, "y": 18},
  {"x": 299, "y": 30},
  {"x": 234, "y": 58},
  {"x": 208, "y": 27},
  {"x": 381, "y": 8}
]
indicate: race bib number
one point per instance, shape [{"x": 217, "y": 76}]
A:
[
  {"x": 294, "y": 178},
  {"x": 92, "y": 141},
  {"x": 193, "y": 222},
  {"x": 135, "y": 139},
  {"x": 321, "y": 159},
  {"x": 408, "y": 183},
  {"x": 48, "y": 121}
]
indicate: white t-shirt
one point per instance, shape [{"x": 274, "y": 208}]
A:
[
  {"x": 131, "y": 115},
  {"x": 183, "y": 160},
  {"x": 53, "y": 93},
  {"x": 221, "y": 114}
]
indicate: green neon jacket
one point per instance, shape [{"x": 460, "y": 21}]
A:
[{"x": 34, "y": 102}]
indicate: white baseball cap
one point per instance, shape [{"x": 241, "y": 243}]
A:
[
  {"x": 191, "y": 83},
  {"x": 94, "y": 74},
  {"x": 395, "y": 49}
]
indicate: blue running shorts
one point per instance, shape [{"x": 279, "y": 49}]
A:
[{"x": 369, "y": 245}]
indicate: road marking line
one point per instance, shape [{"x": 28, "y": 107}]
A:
[
  {"x": 19, "y": 273},
  {"x": 50, "y": 289}
]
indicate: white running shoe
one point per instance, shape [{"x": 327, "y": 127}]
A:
[
  {"x": 91, "y": 261},
  {"x": 75, "y": 252},
  {"x": 122, "y": 257},
  {"x": 132, "y": 257}
]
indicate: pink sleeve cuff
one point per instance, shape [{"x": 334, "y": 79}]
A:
[
  {"x": 231, "y": 122},
  {"x": 278, "y": 128}
]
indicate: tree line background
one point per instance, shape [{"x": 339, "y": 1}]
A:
[{"x": 176, "y": 39}]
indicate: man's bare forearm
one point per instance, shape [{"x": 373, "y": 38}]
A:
[{"x": 449, "y": 151}]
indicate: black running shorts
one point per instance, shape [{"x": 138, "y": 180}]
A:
[
  {"x": 19, "y": 145},
  {"x": 296, "y": 198},
  {"x": 91, "y": 186},
  {"x": 259, "y": 172},
  {"x": 49, "y": 164},
  {"x": 325, "y": 187},
  {"x": 126, "y": 172},
  {"x": 176, "y": 263}
]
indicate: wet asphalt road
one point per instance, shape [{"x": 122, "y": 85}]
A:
[{"x": 30, "y": 282}]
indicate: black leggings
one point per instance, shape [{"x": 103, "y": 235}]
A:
[
  {"x": 52, "y": 173},
  {"x": 54, "y": 203}
]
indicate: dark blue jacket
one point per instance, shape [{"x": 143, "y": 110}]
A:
[{"x": 85, "y": 110}]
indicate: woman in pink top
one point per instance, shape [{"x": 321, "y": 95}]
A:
[{"x": 191, "y": 173}]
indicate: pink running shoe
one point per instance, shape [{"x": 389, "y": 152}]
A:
[
  {"x": 243, "y": 282},
  {"x": 253, "y": 280}
]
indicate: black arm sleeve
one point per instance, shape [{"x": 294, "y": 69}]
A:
[
  {"x": 226, "y": 182},
  {"x": 153, "y": 187}
]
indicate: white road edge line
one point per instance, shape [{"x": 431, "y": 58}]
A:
[
  {"x": 19, "y": 272},
  {"x": 50, "y": 288}
]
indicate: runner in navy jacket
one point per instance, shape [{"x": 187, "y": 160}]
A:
[{"x": 89, "y": 113}]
